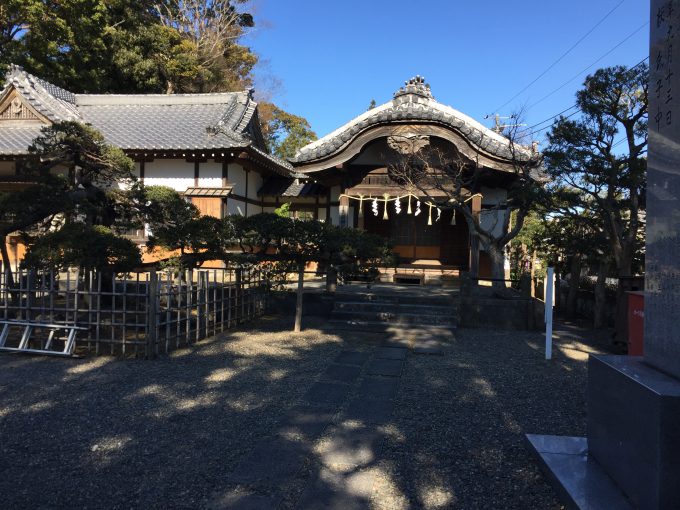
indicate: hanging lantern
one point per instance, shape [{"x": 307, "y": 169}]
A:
[
  {"x": 374, "y": 207},
  {"x": 429, "y": 215},
  {"x": 408, "y": 211},
  {"x": 361, "y": 206},
  {"x": 453, "y": 217},
  {"x": 385, "y": 216},
  {"x": 417, "y": 207},
  {"x": 397, "y": 206},
  {"x": 439, "y": 214}
]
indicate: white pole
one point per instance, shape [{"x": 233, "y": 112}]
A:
[{"x": 549, "y": 312}]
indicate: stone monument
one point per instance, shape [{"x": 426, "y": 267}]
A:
[{"x": 631, "y": 457}]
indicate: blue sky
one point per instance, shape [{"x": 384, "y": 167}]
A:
[{"x": 332, "y": 58}]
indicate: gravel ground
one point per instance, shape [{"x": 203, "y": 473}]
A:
[{"x": 103, "y": 433}]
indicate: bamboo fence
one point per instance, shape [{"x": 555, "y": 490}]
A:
[{"x": 138, "y": 314}]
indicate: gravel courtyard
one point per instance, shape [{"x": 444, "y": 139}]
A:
[{"x": 262, "y": 418}]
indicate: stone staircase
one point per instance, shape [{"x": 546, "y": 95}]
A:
[{"x": 376, "y": 311}]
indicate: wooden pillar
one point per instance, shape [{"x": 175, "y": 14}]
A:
[
  {"x": 225, "y": 183},
  {"x": 476, "y": 204},
  {"x": 247, "y": 198},
  {"x": 196, "y": 172},
  {"x": 141, "y": 171}
]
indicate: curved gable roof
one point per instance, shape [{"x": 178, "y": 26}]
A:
[{"x": 412, "y": 103}]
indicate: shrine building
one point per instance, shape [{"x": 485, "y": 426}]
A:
[{"x": 210, "y": 149}]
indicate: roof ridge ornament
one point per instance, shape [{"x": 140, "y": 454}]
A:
[{"x": 416, "y": 86}]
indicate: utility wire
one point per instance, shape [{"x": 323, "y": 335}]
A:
[
  {"x": 528, "y": 130},
  {"x": 562, "y": 56},
  {"x": 591, "y": 65}
]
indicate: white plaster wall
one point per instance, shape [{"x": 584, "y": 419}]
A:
[
  {"x": 237, "y": 176},
  {"x": 210, "y": 174},
  {"x": 335, "y": 215},
  {"x": 236, "y": 207},
  {"x": 267, "y": 209},
  {"x": 322, "y": 214},
  {"x": 254, "y": 184},
  {"x": 350, "y": 217},
  {"x": 175, "y": 173},
  {"x": 335, "y": 193},
  {"x": 493, "y": 221},
  {"x": 493, "y": 195}
]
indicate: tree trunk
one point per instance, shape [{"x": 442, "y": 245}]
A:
[
  {"x": 533, "y": 273},
  {"x": 497, "y": 266},
  {"x": 600, "y": 316},
  {"x": 574, "y": 284},
  {"x": 298, "y": 305},
  {"x": 6, "y": 265}
]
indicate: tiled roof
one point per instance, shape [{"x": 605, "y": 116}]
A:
[
  {"x": 412, "y": 103},
  {"x": 154, "y": 122},
  {"x": 16, "y": 139},
  {"x": 168, "y": 124},
  {"x": 277, "y": 186},
  {"x": 49, "y": 100},
  {"x": 208, "y": 192}
]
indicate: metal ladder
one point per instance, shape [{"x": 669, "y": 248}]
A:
[{"x": 30, "y": 327}]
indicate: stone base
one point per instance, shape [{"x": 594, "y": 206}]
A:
[
  {"x": 580, "y": 480},
  {"x": 633, "y": 448},
  {"x": 634, "y": 428}
]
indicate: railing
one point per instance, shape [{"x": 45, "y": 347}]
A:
[{"x": 141, "y": 314}]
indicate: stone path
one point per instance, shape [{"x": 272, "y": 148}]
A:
[{"x": 335, "y": 428}]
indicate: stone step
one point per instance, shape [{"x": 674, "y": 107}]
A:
[
  {"x": 406, "y": 332},
  {"x": 377, "y": 306},
  {"x": 395, "y": 318},
  {"x": 407, "y": 299}
]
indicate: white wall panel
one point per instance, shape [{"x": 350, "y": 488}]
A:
[
  {"x": 210, "y": 175},
  {"x": 175, "y": 173}
]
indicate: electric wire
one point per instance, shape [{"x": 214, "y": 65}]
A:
[
  {"x": 591, "y": 65},
  {"x": 562, "y": 56},
  {"x": 528, "y": 132}
]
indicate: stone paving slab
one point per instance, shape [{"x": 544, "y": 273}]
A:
[
  {"x": 273, "y": 461},
  {"x": 368, "y": 410},
  {"x": 386, "y": 367},
  {"x": 327, "y": 393},
  {"x": 379, "y": 387},
  {"x": 348, "y": 447},
  {"x": 392, "y": 353},
  {"x": 306, "y": 422},
  {"x": 356, "y": 358},
  {"x": 338, "y": 491},
  {"x": 401, "y": 342},
  {"x": 341, "y": 373}
]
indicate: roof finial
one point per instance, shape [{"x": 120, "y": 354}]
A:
[{"x": 415, "y": 86}]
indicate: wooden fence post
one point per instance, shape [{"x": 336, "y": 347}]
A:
[
  {"x": 151, "y": 315},
  {"x": 202, "y": 305},
  {"x": 239, "y": 291}
]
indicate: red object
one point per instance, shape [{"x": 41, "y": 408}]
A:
[{"x": 636, "y": 323}]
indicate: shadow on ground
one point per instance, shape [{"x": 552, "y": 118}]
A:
[{"x": 263, "y": 418}]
